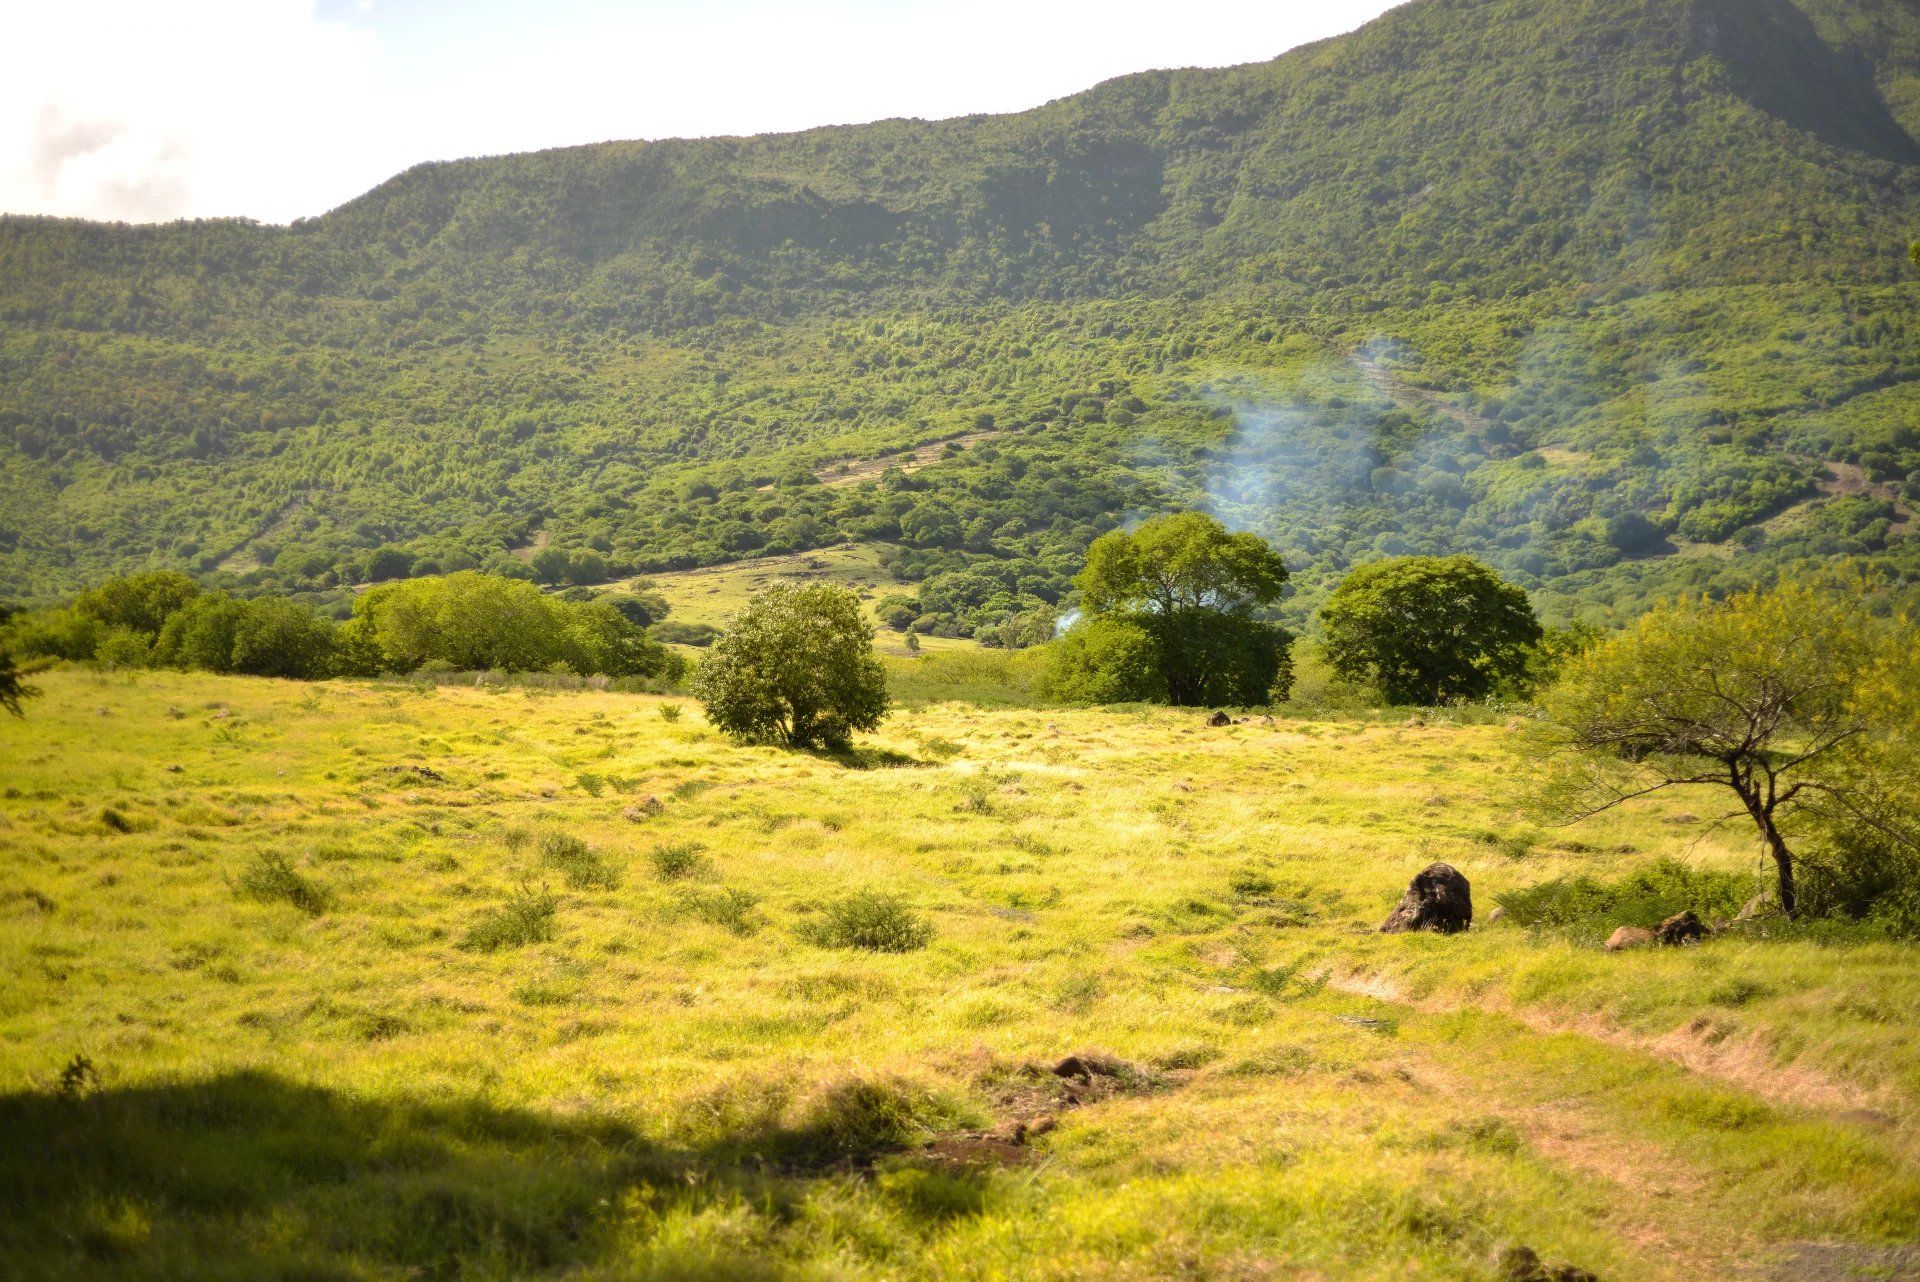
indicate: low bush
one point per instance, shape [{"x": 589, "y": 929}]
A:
[
  {"x": 526, "y": 917},
  {"x": 874, "y": 922},
  {"x": 272, "y": 878},
  {"x": 580, "y": 864},
  {"x": 678, "y": 861},
  {"x": 1588, "y": 909}
]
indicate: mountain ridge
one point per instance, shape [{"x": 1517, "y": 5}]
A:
[{"x": 1468, "y": 181}]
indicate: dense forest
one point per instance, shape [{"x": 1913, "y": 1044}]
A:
[{"x": 1613, "y": 294}]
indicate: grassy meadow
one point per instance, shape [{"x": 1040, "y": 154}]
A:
[{"x": 358, "y": 980}]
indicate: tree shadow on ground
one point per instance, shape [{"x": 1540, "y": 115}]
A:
[{"x": 250, "y": 1176}]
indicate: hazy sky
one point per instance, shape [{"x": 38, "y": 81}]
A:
[{"x": 275, "y": 109}]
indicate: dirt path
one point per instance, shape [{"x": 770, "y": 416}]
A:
[{"x": 1746, "y": 1062}]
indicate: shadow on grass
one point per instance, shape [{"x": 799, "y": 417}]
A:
[
  {"x": 868, "y": 758},
  {"x": 248, "y": 1175}
]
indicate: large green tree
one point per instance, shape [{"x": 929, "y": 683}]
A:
[
  {"x": 1794, "y": 700},
  {"x": 1429, "y": 630},
  {"x": 796, "y": 667},
  {"x": 1193, "y": 590}
]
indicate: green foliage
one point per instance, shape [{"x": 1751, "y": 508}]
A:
[
  {"x": 139, "y": 603},
  {"x": 525, "y": 917},
  {"x": 873, "y": 922},
  {"x": 1588, "y": 909},
  {"x": 583, "y": 867},
  {"x": 679, "y": 860},
  {"x": 13, "y": 690},
  {"x": 1551, "y": 282},
  {"x": 1782, "y": 697},
  {"x": 1103, "y": 660},
  {"x": 262, "y": 637},
  {"x": 471, "y": 621},
  {"x": 796, "y": 667},
  {"x": 1174, "y": 564},
  {"x": 1178, "y": 596},
  {"x": 272, "y": 878},
  {"x": 1428, "y": 630}
]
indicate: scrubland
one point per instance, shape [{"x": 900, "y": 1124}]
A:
[{"x": 410, "y": 980}]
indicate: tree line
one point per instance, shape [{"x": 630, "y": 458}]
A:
[{"x": 458, "y": 622}]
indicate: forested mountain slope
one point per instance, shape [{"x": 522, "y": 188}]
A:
[{"x": 1611, "y": 292}]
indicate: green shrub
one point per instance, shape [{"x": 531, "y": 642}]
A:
[
  {"x": 526, "y": 917},
  {"x": 874, "y": 922},
  {"x": 576, "y": 861},
  {"x": 678, "y": 861},
  {"x": 1588, "y": 909},
  {"x": 272, "y": 878}
]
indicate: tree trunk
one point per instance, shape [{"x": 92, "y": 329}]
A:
[
  {"x": 1783, "y": 860},
  {"x": 1776, "y": 846}
]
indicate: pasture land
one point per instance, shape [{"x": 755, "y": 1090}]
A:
[{"x": 390, "y": 980}]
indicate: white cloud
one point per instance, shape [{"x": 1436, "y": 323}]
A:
[{"x": 150, "y": 109}]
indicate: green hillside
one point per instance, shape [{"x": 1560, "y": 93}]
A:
[{"x": 1613, "y": 293}]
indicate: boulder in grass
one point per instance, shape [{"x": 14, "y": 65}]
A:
[
  {"x": 1438, "y": 899},
  {"x": 1629, "y": 937},
  {"x": 1681, "y": 928},
  {"x": 1219, "y": 719}
]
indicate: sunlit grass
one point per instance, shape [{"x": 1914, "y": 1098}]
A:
[{"x": 691, "y": 1066}]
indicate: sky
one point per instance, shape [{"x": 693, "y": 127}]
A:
[{"x": 147, "y": 110}]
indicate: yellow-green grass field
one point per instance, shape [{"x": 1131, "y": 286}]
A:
[
  {"x": 715, "y": 594},
  {"x": 219, "y": 1064}
]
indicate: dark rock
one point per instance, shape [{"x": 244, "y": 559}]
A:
[
  {"x": 1681, "y": 928},
  {"x": 1219, "y": 719},
  {"x": 1438, "y": 899},
  {"x": 1523, "y": 1264},
  {"x": 1087, "y": 1067}
]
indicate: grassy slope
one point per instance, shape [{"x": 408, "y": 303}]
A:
[
  {"x": 651, "y": 1094},
  {"x": 715, "y": 594}
]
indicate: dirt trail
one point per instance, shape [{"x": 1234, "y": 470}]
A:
[
  {"x": 854, "y": 471},
  {"x": 1698, "y": 1047}
]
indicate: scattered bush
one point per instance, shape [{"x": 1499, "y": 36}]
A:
[
  {"x": 1587, "y": 909},
  {"x": 678, "y": 861},
  {"x": 581, "y": 865},
  {"x": 526, "y": 917},
  {"x": 272, "y": 878},
  {"x": 874, "y": 922}
]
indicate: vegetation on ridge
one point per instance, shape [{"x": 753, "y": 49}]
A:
[{"x": 1613, "y": 297}]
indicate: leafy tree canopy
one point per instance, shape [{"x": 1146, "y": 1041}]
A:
[
  {"x": 1794, "y": 699},
  {"x": 1428, "y": 630},
  {"x": 795, "y": 667}
]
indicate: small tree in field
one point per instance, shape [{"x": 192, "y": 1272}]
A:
[
  {"x": 1429, "y": 629},
  {"x": 796, "y": 667},
  {"x": 1786, "y": 698}
]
